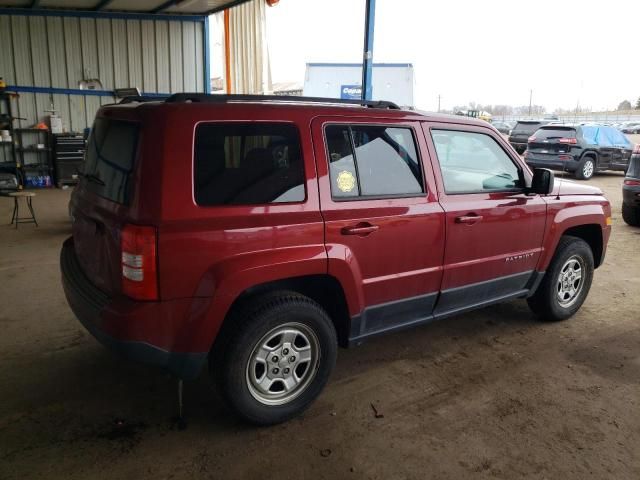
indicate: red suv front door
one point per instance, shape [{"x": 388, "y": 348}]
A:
[
  {"x": 384, "y": 228},
  {"x": 494, "y": 229}
]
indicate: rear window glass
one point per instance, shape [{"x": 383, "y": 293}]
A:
[
  {"x": 246, "y": 164},
  {"x": 110, "y": 156},
  {"x": 526, "y": 127},
  {"x": 551, "y": 133}
]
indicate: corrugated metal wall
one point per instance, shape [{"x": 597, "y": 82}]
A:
[{"x": 157, "y": 56}]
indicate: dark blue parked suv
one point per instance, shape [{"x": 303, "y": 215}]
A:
[
  {"x": 631, "y": 191},
  {"x": 581, "y": 150}
]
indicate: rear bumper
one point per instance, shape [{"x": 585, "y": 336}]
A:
[
  {"x": 553, "y": 163},
  {"x": 631, "y": 196},
  {"x": 99, "y": 315}
]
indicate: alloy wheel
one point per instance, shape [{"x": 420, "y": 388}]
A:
[
  {"x": 283, "y": 364},
  {"x": 570, "y": 281}
]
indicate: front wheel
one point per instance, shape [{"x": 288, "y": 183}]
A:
[
  {"x": 566, "y": 283},
  {"x": 275, "y": 358},
  {"x": 586, "y": 169}
]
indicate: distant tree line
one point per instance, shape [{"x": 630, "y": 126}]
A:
[
  {"x": 626, "y": 105},
  {"x": 501, "y": 110},
  {"x": 523, "y": 110}
]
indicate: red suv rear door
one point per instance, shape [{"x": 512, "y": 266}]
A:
[
  {"x": 384, "y": 228},
  {"x": 102, "y": 201},
  {"x": 494, "y": 229}
]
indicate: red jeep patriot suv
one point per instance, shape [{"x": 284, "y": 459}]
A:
[{"x": 258, "y": 233}]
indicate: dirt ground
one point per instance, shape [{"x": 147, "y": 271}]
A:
[{"x": 490, "y": 394}]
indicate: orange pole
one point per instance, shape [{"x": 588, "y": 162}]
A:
[{"x": 227, "y": 55}]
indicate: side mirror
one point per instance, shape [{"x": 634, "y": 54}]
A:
[{"x": 542, "y": 182}]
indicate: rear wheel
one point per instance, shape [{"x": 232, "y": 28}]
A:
[
  {"x": 586, "y": 169},
  {"x": 631, "y": 215},
  {"x": 566, "y": 283},
  {"x": 275, "y": 358}
]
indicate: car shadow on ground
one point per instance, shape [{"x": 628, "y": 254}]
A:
[{"x": 89, "y": 392}]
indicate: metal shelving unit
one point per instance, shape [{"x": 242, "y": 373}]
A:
[
  {"x": 8, "y": 154},
  {"x": 34, "y": 162}
]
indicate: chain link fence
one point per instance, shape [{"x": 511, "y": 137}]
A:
[{"x": 598, "y": 117}]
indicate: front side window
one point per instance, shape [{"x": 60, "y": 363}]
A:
[
  {"x": 248, "y": 164},
  {"x": 617, "y": 138},
  {"x": 373, "y": 161},
  {"x": 474, "y": 162}
]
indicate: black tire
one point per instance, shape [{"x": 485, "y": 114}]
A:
[
  {"x": 583, "y": 173},
  {"x": 231, "y": 362},
  {"x": 545, "y": 302},
  {"x": 631, "y": 215}
]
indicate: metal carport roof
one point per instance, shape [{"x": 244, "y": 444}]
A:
[
  {"x": 167, "y": 7},
  {"x": 197, "y": 10}
]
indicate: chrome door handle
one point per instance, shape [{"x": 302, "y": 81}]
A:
[
  {"x": 469, "y": 219},
  {"x": 361, "y": 229}
]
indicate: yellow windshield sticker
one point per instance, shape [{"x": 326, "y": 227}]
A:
[{"x": 346, "y": 181}]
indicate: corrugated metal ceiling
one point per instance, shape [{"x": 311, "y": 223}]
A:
[{"x": 191, "y": 7}]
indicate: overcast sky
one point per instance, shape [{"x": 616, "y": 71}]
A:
[{"x": 488, "y": 52}]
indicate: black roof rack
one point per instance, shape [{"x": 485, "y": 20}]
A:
[
  {"x": 215, "y": 98},
  {"x": 142, "y": 98}
]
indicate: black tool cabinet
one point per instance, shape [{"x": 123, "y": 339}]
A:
[{"x": 68, "y": 158}]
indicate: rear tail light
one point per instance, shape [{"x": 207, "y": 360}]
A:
[
  {"x": 636, "y": 149},
  {"x": 139, "y": 262},
  {"x": 632, "y": 183},
  {"x": 570, "y": 141},
  {"x": 532, "y": 138}
]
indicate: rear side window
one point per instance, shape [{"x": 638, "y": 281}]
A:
[
  {"x": 373, "y": 161},
  {"x": 110, "y": 157},
  {"x": 248, "y": 164}
]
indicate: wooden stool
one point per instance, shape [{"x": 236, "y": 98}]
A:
[{"x": 16, "y": 218}]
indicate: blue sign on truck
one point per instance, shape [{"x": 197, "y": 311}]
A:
[{"x": 351, "y": 92}]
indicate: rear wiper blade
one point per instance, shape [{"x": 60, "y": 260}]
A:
[{"x": 93, "y": 178}]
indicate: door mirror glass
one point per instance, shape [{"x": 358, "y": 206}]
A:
[{"x": 542, "y": 182}]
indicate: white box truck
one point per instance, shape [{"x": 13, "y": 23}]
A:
[{"x": 390, "y": 81}]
